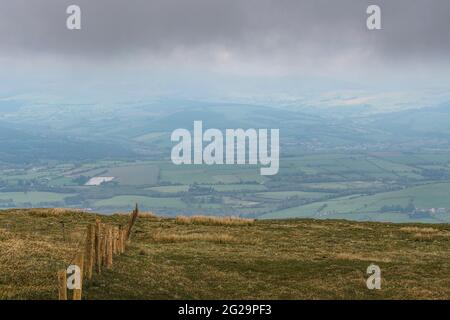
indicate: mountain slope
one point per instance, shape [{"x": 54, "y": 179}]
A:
[{"x": 279, "y": 259}]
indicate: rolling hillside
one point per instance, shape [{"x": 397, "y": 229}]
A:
[{"x": 271, "y": 259}]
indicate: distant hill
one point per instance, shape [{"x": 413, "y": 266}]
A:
[
  {"x": 19, "y": 146},
  {"x": 116, "y": 127},
  {"x": 424, "y": 122}
]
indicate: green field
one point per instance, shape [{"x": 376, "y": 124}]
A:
[
  {"x": 426, "y": 196},
  {"x": 148, "y": 202},
  {"x": 238, "y": 187},
  {"x": 33, "y": 198},
  {"x": 135, "y": 175},
  {"x": 361, "y": 186},
  {"x": 342, "y": 186},
  {"x": 280, "y": 195},
  {"x": 170, "y": 189},
  {"x": 204, "y": 174}
]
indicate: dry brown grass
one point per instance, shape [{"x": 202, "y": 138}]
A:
[
  {"x": 31, "y": 262},
  {"x": 363, "y": 257},
  {"x": 425, "y": 233},
  {"x": 146, "y": 214},
  {"x": 213, "y": 220},
  {"x": 277, "y": 259},
  {"x": 420, "y": 230},
  {"x": 34, "y": 245},
  {"x": 53, "y": 212},
  {"x": 142, "y": 214},
  {"x": 208, "y": 237}
]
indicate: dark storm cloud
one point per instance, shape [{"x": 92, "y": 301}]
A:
[{"x": 412, "y": 29}]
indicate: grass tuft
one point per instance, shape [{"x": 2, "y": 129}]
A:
[
  {"x": 215, "y": 221},
  {"x": 207, "y": 237}
]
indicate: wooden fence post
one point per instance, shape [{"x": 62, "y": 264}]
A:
[
  {"x": 124, "y": 239},
  {"x": 121, "y": 245},
  {"x": 98, "y": 245},
  {"x": 109, "y": 248},
  {"x": 104, "y": 243},
  {"x": 114, "y": 242},
  {"x": 79, "y": 261},
  {"x": 89, "y": 251},
  {"x": 133, "y": 218},
  {"x": 62, "y": 284}
]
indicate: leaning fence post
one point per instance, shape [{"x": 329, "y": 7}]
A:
[
  {"x": 79, "y": 261},
  {"x": 133, "y": 218},
  {"x": 62, "y": 284}
]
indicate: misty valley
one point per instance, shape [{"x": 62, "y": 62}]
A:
[
  {"x": 391, "y": 166},
  {"x": 225, "y": 155}
]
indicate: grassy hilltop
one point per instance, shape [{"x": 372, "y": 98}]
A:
[{"x": 270, "y": 259}]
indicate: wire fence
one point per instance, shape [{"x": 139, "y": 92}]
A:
[{"x": 96, "y": 250}]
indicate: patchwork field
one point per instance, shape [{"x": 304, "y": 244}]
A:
[
  {"x": 209, "y": 259},
  {"x": 127, "y": 201},
  {"x": 32, "y": 198},
  {"x": 138, "y": 174},
  {"x": 397, "y": 187},
  {"x": 426, "y": 196}
]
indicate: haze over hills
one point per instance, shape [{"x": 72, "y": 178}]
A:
[
  {"x": 354, "y": 157},
  {"x": 333, "y": 127}
]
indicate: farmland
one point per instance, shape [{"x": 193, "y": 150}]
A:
[
  {"x": 398, "y": 187},
  {"x": 363, "y": 168}
]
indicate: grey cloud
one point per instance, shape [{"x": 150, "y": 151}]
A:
[{"x": 412, "y": 29}]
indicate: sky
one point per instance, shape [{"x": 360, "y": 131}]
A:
[{"x": 248, "y": 40}]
